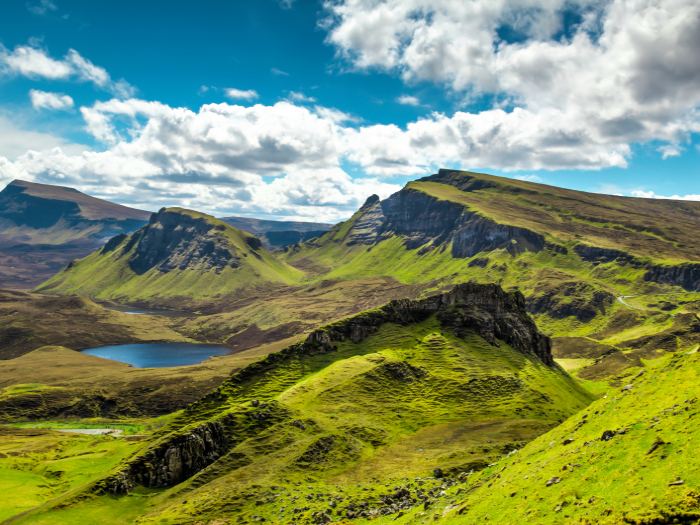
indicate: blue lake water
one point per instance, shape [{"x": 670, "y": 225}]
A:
[{"x": 159, "y": 355}]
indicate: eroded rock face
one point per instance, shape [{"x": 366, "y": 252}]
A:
[
  {"x": 174, "y": 461},
  {"x": 485, "y": 309},
  {"x": 423, "y": 220},
  {"x": 173, "y": 240},
  {"x": 686, "y": 276}
]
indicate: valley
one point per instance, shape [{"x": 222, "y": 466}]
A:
[{"x": 442, "y": 355}]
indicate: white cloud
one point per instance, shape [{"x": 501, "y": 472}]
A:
[
  {"x": 278, "y": 72},
  {"x": 216, "y": 159},
  {"x": 629, "y": 72},
  {"x": 15, "y": 141},
  {"x": 652, "y": 195},
  {"x": 43, "y": 99},
  {"x": 529, "y": 178},
  {"x": 238, "y": 94},
  {"x": 34, "y": 62},
  {"x": 670, "y": 150},
  {"x": 295, "y": 96},
  {"x": 408, "y": 100}
]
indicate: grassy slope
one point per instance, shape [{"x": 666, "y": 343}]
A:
[
  {"x": 109, "y": 275},
  {"x": 363, "y": 419},
  {"x": 37, "y": 466}
]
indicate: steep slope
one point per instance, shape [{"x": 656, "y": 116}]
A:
[
  {"x": 43, "y": 227},
  {"x": 278, "y": 234},
  {"x": 181, "y": 258},
  {"x": 367, "y": 398}
]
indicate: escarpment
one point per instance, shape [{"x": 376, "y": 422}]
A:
[
  {"x": 173, "y": 240},
  {"x": 424, "y": 220},
  {"x": 685, "y": 275},
  {"x": 485, "y": 309}
]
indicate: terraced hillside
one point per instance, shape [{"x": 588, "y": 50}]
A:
[
  {"x": 44, "y": 227},
  {"x": 451, "y": 382}
]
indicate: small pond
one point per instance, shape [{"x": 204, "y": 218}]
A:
[{"x": 158, "y": 355}]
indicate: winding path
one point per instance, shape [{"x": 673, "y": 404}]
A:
[{"x": 622, "y": 298}]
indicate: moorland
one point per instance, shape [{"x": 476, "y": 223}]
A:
[{"x": 471, "y": 349}]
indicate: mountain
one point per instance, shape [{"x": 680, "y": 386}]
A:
[
  {"x": 571, "y": 254},
  {"x": 278, "y": 234},
  {"x": 43, "y": 227},
  {"x": 449, "y": 382},
  {"x": 180, "y": 258}
]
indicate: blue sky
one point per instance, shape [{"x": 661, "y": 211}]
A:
[{"x": 301, "y": 109}]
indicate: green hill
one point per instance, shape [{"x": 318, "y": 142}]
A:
[
  {"x": 449, "y": 382},
  {"x": 180, "y": 258}
]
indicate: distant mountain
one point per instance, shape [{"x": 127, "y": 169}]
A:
[
  {"x": 43, "y": 227},
  {"x": 278, "y": 234},
  {"x": 571, "y": 254},
  {"x": 180, "y": 258}
]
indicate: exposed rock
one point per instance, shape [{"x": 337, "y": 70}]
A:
[
  {"x": 481, "y": 308},
  {"x": 686, "y": 275},
  {"x": 173, "y": 462},
  {"x": 553, "y": 481},
  {"x": 175, "y": 240}
]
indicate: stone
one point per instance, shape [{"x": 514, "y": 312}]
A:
[
  {"x": 553, "y": 481},
  {"x": 437, "y": 473},
  {"x": 607, "y": 435}
]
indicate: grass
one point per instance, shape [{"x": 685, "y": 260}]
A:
[
  {"x": 404, "y": 401},
  {"x": 38, "y": 465}
]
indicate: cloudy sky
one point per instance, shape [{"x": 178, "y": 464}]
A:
[{"x": 303, "y": 108}]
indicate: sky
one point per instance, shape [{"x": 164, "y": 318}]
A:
[{"x": 301, "y": 109}]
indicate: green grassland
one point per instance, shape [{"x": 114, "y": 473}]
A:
[
  {"x": 406, "y": 400},
  {"x": 37, "y": 466}
]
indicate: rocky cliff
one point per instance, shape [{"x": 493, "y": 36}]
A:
[
  {"x": 175, "y": 240},
  {"x": 424, "y": 220},
  {"x": 481, "y": 308}
]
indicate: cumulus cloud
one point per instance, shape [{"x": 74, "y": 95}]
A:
[
  {"x": 44, "y": 99},
  {"x": 219, "y": 159},
  {"x": 408, "y": 100},
  {"x": 239, "y": 94},
  {"x": 575, "y": 95},
  {"x": 34, "y": 62}
]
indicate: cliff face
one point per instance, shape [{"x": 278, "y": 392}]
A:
[
  {"x": 686, "y": 275},
  {"x": 174, "y": 461},
  {"x": 421, "y": 219},
  {"x": 482, "y": 308},
  {"x": 174, "y": 240}
]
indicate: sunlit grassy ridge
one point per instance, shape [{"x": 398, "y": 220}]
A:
[{"x": 404, "y": 401}]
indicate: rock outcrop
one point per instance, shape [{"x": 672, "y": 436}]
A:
[
  {"x": 174, "y": 240},
  {"x": 686, "y": 276},
  {"x": 485, "y": 309},
  {"x": 424, "y": 220},
  {"x": 173, "y": 461}
]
